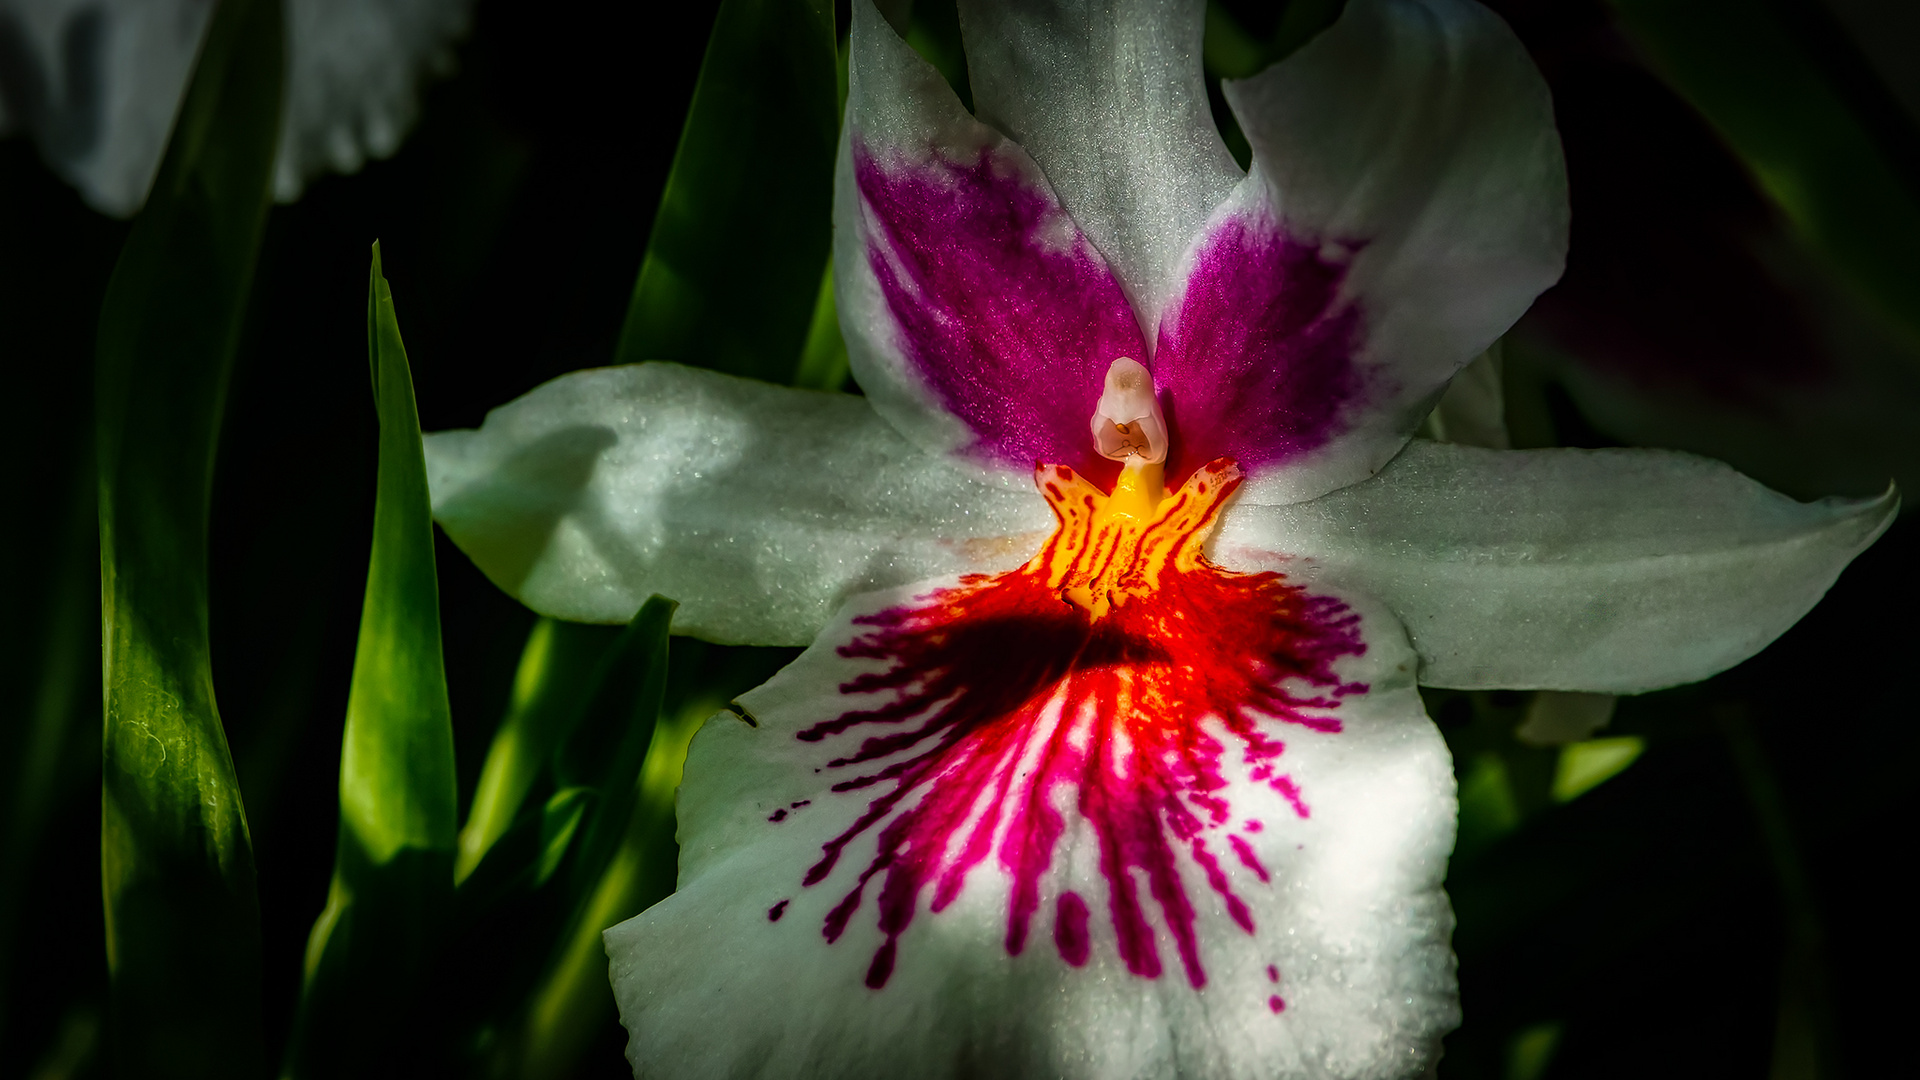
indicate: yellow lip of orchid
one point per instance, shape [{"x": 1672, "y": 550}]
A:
[{"x": 1111, "y": 548}]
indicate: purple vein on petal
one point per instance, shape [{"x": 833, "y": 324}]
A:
[{"x": 1003, "y": 308}]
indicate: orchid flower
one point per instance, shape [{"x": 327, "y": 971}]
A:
[
  {"x": 1107, "y": 757},
  {"x": 98, "y": 83}
]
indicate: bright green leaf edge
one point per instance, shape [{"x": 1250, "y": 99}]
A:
[{"x": 391, "y": 897}]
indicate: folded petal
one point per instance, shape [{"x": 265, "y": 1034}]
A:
[
  {"x": 1599, "y": 570},
  {"x": 98, "y": 83},
  {"x": 969, "y": 832},
  {"x": 1407, "y": 202},
  {"x": 1107, "y": 95},
  {"x": 758, "y": 508},
  {"x": 978, "y": 319}
]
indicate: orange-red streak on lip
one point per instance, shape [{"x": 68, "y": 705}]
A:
[{"x": 1107, "y": 670}]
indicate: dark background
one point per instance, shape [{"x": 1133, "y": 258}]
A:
[{"x": 1738, "y": 885}]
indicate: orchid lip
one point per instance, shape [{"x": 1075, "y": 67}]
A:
[{"x": 1155, "y": 673}]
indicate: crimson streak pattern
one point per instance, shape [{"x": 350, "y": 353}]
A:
[{"x": 1008, "y": 703}]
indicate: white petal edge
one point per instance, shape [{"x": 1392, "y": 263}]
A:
[
  {"x": 354, "y": 69},
  {"x": 759, "y": 508},
  {"x": 1615, "y": 571},
  {"x": 1355, "y": 920},
  {"x": 1109, "y": 98},
  {"x": 1421, "y": 131}
]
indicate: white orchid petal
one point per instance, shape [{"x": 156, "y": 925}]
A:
[
  {"x": 98, "y": 83},
  {"x": 1345, "y": 972},
  {"x": 758, "y": 508},
  {"x": 1408, "y": 192},
  {"x": 1612, "y": 571},
  {"x": 1108, "y": 96},
  {"x": 978, "y": 318}
]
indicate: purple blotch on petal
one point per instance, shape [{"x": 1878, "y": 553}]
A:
[
  {"x": 1070, "y": 930},
  {"x": 1255, "y": 360},
  {"x": 1004, "y": 309}
]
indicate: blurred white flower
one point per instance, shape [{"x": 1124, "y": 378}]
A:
[{"x": 97, "y": 84}]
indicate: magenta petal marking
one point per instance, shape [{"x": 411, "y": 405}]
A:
[
  {"x": 1248, "y": 859},
  {"x": 1255, "y": 360},
  {"x": 1003, "y": 307},
  {"x": 1004, "y": 705},
  {"x": 1070, "y": 930}
]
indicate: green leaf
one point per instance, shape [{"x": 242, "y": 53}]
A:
[
  {"x": 731, "y": 269},
  {"x": 1750, "y": 70},
  {"x": 572, "y": 998},
  {"x": 606, "y": 750},
  {"x": 576, "y": 757},
  {"x": 823, "y": 363},
  {"x": 591, "y": 709},
  {"x": 1584, "y": 766},
  {"x": 559, "y": 823},
  {"x": 392, "y": 890},
  {"x": 182, "y": 917},
  {"x": 571, "y": 1004},
  {"x": 550, "y": 689}
]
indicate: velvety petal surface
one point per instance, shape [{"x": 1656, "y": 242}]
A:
[
  {"x": 978, "y": 318},
  {"x": 1108, "y": 97},
  {"x": 1599, "y": 570},
  {"x": 758, "y": 508},
  {"x": 946, "y": 846},
  {"x": 97, "y": 82},
  {"x": 1407, "y": 202}
]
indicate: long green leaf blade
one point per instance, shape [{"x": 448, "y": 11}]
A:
[
  {"x": 392, "y": 885},
  {"x": 177, "y": 871},
  {"x": 732, "y": 267},
  {"x": 606, "y": 751},
  {"x": 571, "y": 1001},
  {"x": 549, "y": 691}
]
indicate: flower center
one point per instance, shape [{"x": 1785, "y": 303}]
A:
[{"x": 1112, "y": 548}]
